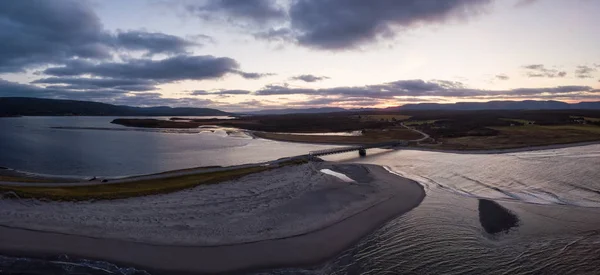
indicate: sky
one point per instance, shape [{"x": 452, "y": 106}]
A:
[{"x": 240, "y": 55}]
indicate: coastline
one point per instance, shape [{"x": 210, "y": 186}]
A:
[{"x": 303, "y": 249}]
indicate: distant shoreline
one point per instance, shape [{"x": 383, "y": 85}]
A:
[
  {"x": 298, "y": 250},
  {"x": 453, "y": 151}
]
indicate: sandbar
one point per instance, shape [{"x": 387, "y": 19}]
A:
[{"x": 302, "y": 221}]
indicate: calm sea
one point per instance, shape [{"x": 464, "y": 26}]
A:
[{"x": 92, "y": 146}]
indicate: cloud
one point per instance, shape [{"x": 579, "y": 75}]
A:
[
  {"x": 334, "y": 24},
  {"x": 81, "y": 83},
  {"x": 175, "y": 68},
  {"x": 372, "y": 95},
  {"x": 13, "y": 89},
  {"x": 38, "y": 33},
  {"x": 345, "y": 24},
  {"x": 309, "y": 78},
  {"x": 221, "y": 92},
  {"x": 417, "y": 88},
  {"x": 502, "y": 77},
  {"x": 112, "y": 96},
  {"x": 539, "y": 70},
  {"x": 583, "y": 71},
  {"x": 524, "y": 3},
  {"x": 254, "y": 11},
  {"x": 152, "y": 42},
  {"x": 252, "y": 75}
]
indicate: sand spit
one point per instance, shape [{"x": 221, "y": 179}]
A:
[{"x": 271, "y": 219}]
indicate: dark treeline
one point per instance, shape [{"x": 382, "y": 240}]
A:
[{"x": 477, "y": 123}]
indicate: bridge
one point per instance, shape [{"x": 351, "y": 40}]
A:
[{"x": 362, "y": 149}]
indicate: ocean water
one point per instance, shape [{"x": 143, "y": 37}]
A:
[{"x": 534, "y": 212}]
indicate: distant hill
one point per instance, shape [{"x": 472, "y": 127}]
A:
[
  {"x": 490, "y": 105},
  {"x": 297, "y": 111},
  {"x": 22, "y": 106},
  {"x": 501, "y": 105}
]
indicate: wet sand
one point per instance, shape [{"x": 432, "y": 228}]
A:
[{"x": 312, "y": 247}]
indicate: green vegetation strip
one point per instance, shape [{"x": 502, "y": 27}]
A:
[
  {"x": 132, "y": 189},
  {"x": 370, "y": 136},
  {"x": 420, "y": 122},
  {"x": 27, "y": 179}
]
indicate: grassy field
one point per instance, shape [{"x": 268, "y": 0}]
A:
[
  {"x": 365, "y": 118},
  {"x": 130, "y": 189},
  {"x": 522, "y": 121},
  {"x": 370, "y": 136},
  {"x": 419, "y": 122},
  {"x": 524, "y": 136}
]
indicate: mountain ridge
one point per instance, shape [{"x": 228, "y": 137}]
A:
[{"x": 27, "y": 106}]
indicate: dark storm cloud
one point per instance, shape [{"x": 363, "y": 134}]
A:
[
  {"x": 502, "y": 77},
  {"x": 35, "y": 32},
  {"x": 417, "y": 88},
  {"x": 336, "y": 24},
  {"x": 341, "y": 24},
  {"x": 181, "y": 67},
  {"x": 539, "y": 70},
  {"x": 584, "y": 71},
  {"x": 40, "y": 32},
  {"x": 309, "y": 78},
  {"x": 256, "y": 11}
]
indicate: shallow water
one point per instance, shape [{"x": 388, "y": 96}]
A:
[
  {"x": 532, "y": 212},
  {"x": 464, "y": 227}
]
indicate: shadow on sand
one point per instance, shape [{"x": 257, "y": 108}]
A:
[{"x": 494, "y": 218}]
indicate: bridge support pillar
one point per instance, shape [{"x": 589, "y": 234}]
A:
[{"x": 362, "y": 152}]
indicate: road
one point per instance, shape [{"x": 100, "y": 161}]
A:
[{"x": 425, "y": 136}]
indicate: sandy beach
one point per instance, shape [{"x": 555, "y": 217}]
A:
[{"x": 271, "y": 219}]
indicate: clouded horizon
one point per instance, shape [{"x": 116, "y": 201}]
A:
[{"x": 238, "y": 55}]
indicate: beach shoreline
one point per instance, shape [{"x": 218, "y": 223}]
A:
[{"x": 305, "y": 249}]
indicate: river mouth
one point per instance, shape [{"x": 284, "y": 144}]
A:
[{"x": 545, "y": 204}]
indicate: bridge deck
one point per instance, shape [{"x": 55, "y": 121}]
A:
[{"x": 355, "y": 148}]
